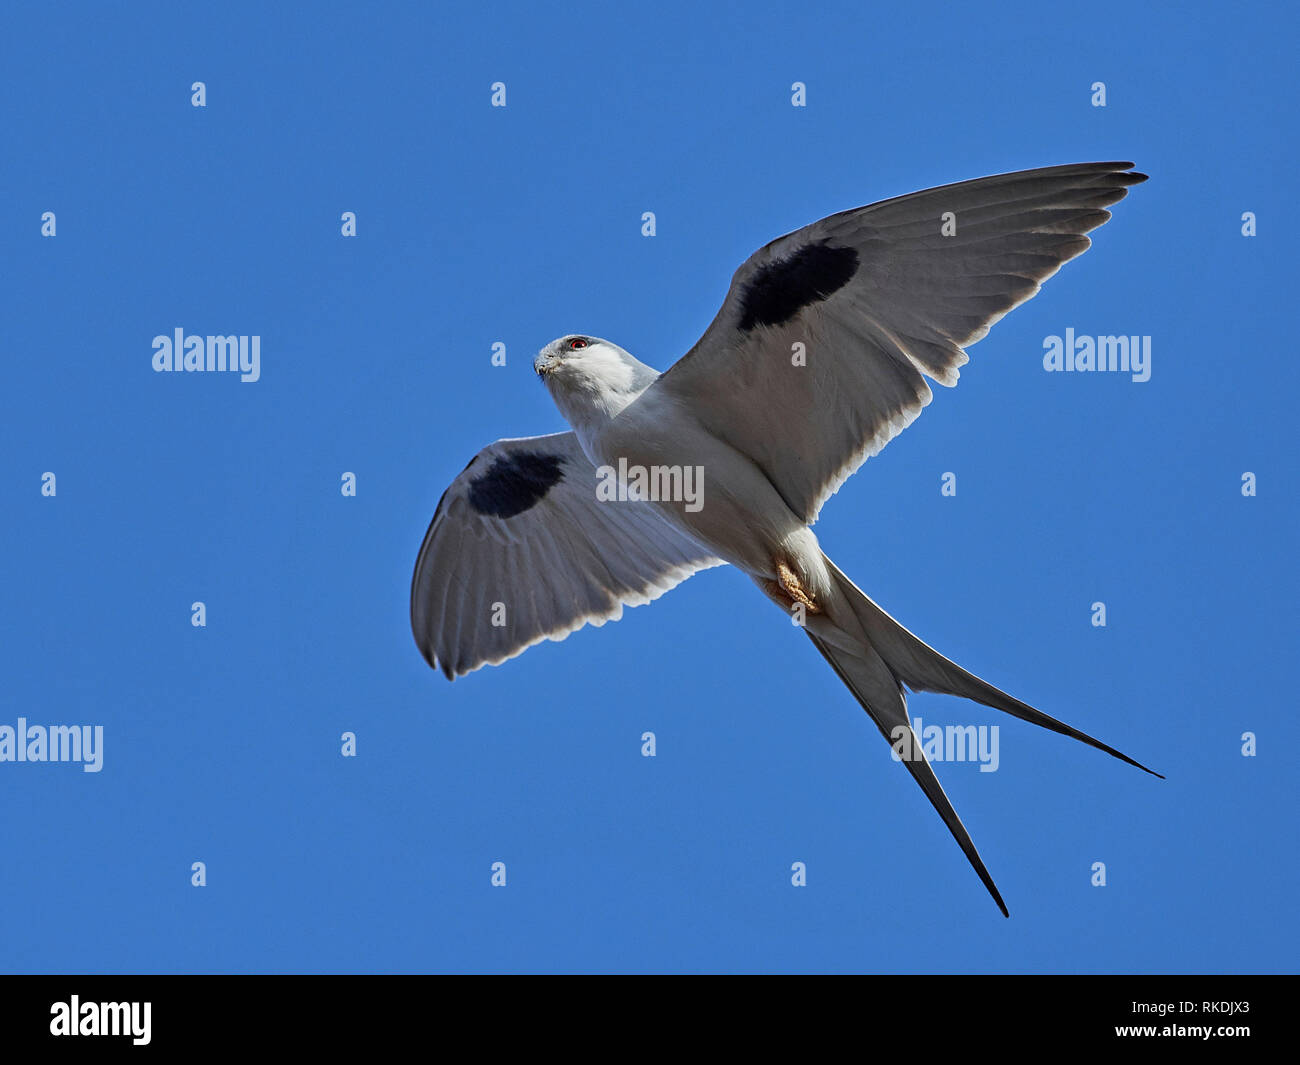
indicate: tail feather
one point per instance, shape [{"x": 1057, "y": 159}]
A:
[
  {"x": 922, "y": 668},
  {"x": 878, "y": 659},
  {"x": 874, "y": 684}
]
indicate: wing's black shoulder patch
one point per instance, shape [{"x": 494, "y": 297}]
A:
[
  {"x": 781, "y": 289},
  {"x": 515, "y": 483}
]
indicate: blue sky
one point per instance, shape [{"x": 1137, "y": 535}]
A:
[{"x": 478, "y": 225}]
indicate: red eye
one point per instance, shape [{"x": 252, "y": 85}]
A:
[{"x": 577, "y": 342}]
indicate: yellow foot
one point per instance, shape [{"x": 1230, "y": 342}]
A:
[{"x": 791, "y": 586}]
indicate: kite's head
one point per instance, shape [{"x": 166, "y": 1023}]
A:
[
  {"x": 585, "y": 374},
  {"x": 589, "y": 364},
  {"x": 574, "y": 355}
]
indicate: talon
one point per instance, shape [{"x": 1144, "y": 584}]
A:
[{"x": 791, "y": 586}]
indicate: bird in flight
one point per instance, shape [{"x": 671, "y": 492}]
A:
[{"x": 817, "y": 359}]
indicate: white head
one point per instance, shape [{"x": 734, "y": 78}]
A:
[{"x": 591, "y": 378}]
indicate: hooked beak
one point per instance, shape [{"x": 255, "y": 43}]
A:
[{"x": 545, "y": 364}]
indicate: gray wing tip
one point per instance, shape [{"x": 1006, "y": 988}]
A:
[
  {"x": 1127, "y": 178},
  {"x": 432, "y": 660},
  {"x": 1098, "y": 168}
]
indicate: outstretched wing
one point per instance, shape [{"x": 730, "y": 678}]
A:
[
  {"x": 521, "y": 550},
  {"x": 878, "y": 297}
]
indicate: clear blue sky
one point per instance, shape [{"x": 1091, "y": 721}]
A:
[{"x": 479, "y": 225}]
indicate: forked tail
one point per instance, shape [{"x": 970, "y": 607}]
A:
[{"x": 892, "y": 658}]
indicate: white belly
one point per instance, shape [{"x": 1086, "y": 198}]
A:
[{"x": 722, "y": 499}]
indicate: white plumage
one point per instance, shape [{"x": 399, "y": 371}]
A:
[{"x": 818, "y": 358}]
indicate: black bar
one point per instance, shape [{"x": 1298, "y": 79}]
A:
[{"x": 338, "y": 1014}]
